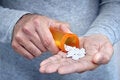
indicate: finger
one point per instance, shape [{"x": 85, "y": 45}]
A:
[
  {"x": 91, "y": 48},
  {"x": 52, "y": 64},
  {"x": 104, "y": 55},
  {"x": 49, "y": 68},
  {"x": 64, "y": 28},
  {"x": 84, "y": 64},
  {"x": 51, "y": 59},
  {"x": 54, "y": 58},
  {"x": 37, "y": 42},
  {"x": 28, "y": 45},
  {"x": 18, "y": 48},
  {"x": 43, "y": 68},
  {"x": 55, "y": 65},
  {"x": 47, "y": 38},
  {"x": 61, "y": 26},
  {"x": 30, "y": 31},
  {"x": 52, "y": 67},
  {"x": 46, "y": 67}
]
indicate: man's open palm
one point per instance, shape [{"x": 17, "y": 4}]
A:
[{"x": 98, "y": 51}]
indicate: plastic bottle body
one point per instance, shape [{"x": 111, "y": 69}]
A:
[{"x": 62, "y": 38}]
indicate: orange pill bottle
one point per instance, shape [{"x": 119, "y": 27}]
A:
[{"x": 62, "y": 38}]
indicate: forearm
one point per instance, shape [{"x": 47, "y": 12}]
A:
[
  {"x": 108, "y": 20},
  {"x": 8, "y": 18}
]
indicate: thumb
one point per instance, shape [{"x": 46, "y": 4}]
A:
[
  {"x": 98, "y": 58},
  {"x": 65, "y": 28},
  {"x": 104, "y": 55},
  {"x": 61, "y": 26}
]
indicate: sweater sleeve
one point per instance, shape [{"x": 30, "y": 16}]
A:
[
  {"x": 8, "y": 18},
  {"x": 108, "y": 20}
]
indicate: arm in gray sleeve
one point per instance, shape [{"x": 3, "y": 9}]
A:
[
  {"x": 8, "y": 19},
  {"x": 108, "y": 20}
]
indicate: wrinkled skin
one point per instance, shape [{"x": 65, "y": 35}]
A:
[
  {"x": 99, "y": 51},
  {"x": 31, "y": 36}
]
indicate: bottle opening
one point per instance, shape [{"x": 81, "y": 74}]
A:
[{"x": 71, "y": 40}]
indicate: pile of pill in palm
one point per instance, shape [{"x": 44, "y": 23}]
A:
[{"x": 74, "y": 53}]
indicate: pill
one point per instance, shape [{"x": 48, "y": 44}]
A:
[{"x": 74, "y": 53}]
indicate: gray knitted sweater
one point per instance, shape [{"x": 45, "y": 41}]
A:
[{"x": 85, "y": 17}]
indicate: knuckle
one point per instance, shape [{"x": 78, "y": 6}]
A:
[
  {"x": 66, "y": 24},
  {"x": 36, "y": 19},
  {"x": 18, "y": 38},
  {"x": 26, "y": 30},
  {"x": 64, "y": 27},
  {"x": 14, "y": 46}
]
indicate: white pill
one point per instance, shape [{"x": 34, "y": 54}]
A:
[
  {"x": 70, "y": 54},
  {"x": 74, "y": 53},
  {"x": 76, "y": 57},
  {"x": 68, "y": 48}
]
